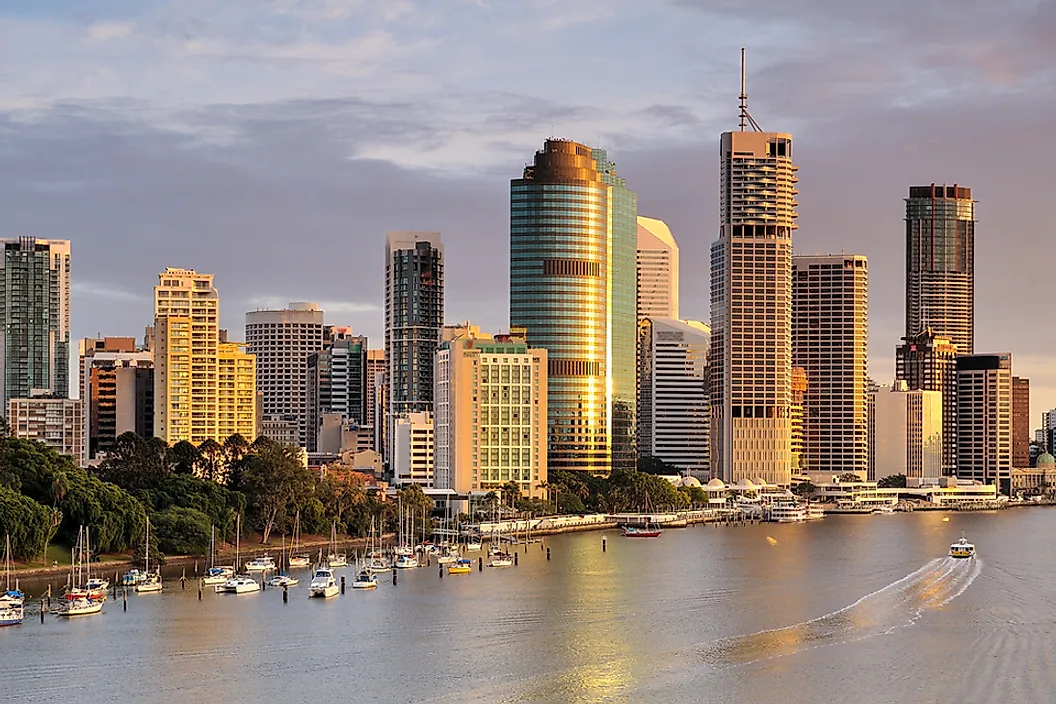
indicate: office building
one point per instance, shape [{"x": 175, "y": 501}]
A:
[
  {"x": 412, "y": 449},
  {"x": 414, "y": 317},
  {"x": 337, "y": 381},
  {"x": 657, "y": 270},
  {"x": 830, "y": 303},
  {"x": 799, "y": 392},
  {"x": 1048, "y": 430},
  {"x": 53, "y": 421},
  {"x": 281, "y": 340},
  {"x": 491, "y": 414},
  {"x": 117, "y": 389},
  {"x": 751, "y": 307},
  {"x": 906, "y": 433},
  {"x": 940, "y": 264},
  {"x": 186, "y": 336},
  {"x": 285, "y": 430},
  {"x": 375, "y": 414},
  {"x": 984, "y": 419},
  {"x": 928, "y": 362},
  {"x": 35, "y": 330},
  {"x": 1020, "y": 422},
  {"x": 673, "y": 415},
  {"x": 573, "y": 281},
  {"x": 339, "y": 435}
]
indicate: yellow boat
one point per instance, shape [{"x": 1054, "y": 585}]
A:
[
  {"x": 962, "y": 549},
  {"x": 460, "y": 566}
]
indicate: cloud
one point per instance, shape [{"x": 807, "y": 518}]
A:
[
  {"x": 106, "y": 292},
  {"x": 105, "y": 31}
]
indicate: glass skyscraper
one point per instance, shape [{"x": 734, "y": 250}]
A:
[
  {"x": 35, "y": 304},
  {"x": 573, "y": 247},
  {"x": 940, "y": 264}
]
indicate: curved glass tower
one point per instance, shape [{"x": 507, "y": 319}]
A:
[{"x": 573, "y": 245}]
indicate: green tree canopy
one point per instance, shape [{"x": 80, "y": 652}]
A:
[
  {"x": 30, "y": 525},
  {"x": 894, "y": 481},
  {"x": 275, "y": 484}
]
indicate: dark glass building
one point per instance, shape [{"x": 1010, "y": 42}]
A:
[{"x": 573, "y": 289}]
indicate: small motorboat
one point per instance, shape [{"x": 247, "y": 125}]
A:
[
  {"x": 404, "y": 562},
  {"x": 264, "y": 563},
  {"x": 133, "y": 577},
  {"x": 379, "y": 564},
  {"x": 337, "y": 560},
  {"x": 300, "y": 561},
  {"x": 475, "y": 545},
  {"x": 647, "y": 531},
  {"x": 11, "y": 614},
  {"x": 962, "y": 549},
  {"x": 239, "y": 584},
  {"x": 283, "y": 580},
  {"x": 462, "y": 565},
  {"x": 217, "y": 575},
  {"x": 365, "y": 580},
  {"x": 323, "y": 585}
]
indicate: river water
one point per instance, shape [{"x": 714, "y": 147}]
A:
[{"x": 850, "y": 608}]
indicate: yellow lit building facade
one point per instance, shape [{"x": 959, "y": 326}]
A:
[
  {"x": 188, "y": 404},
  {"x": 490, "y": 414}
]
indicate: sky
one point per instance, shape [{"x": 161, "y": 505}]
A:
[{"x": 274, "y": 142}]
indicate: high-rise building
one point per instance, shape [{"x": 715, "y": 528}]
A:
[
  {"x": 657, "y": 270},
  {"x": 375, "y": 369},
  {"x": 282, "y": 341},
  {"x": 186, "y": 336},
  {"x": 940, "y": 264},
  {"x": 984, "y": 419},
  {"x": 490, "y": 414},
  {"x": 1048, "y": 427},
  {"x": 52, "y": 420},
  {"x": 751, "y": 307},
  {"x": 799, "y": 392},
  {"x": 413, "y": 449},
  {"x": 673, "y": 415},
  {"x": 830, "y": 342},
  {"x": 573, "y": 281},
  {"x": 928, "y": 362},
  {"x": 337, "y": 382},
  {"x": 117, "y": 388},
  {"x": 414, "y": 317},
  {"x": 237, "y": 410},
  {"x": 1020, "y": 422},
  {"x": 907, "y": 432},
  {"x": 35, "y": 330}
]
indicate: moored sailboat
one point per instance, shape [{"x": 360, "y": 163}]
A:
[
  {"x": 12, "y": 601},
  {"x": 152, "y": 580}
]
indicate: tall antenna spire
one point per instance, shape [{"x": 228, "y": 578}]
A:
[{"x": 746, "y": 117}]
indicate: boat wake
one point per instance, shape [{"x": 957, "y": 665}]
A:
[{"x": 899, "y": 604}]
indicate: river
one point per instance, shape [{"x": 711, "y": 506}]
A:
[{"x": 850, "y": 608}]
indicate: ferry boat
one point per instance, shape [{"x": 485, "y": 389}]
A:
[
  {"x": 462, "y": 565},
  {"x": 814, "y": 512},
  {"x": 787, "y": 513},
  {"x": 323, "y": 585},
  {"x": 962, "y": 549},
  {"x": 264, "y": 563},
  {"x": 239, "y": 584}
]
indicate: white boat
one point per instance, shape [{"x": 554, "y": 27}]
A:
[
  {"x": 962, "y": 549},
  {"x": 133, "y": 577},
  {"x": 404, "y": 551},
  {"x": 814, "y": 512},
  {"x": 97, "y": 584},
  {"x": 884, "y": 509},
  {"x": 365, "y": 580},
  {"x": 283, "y": 580},
  {"x": 218, "y": 575},
  {"x": 299, "y": 560},
  {"x": 323, "y": 585},
  {"x": 379, "y": 564},
  {"x": 239, "y": 584},
  {"x": 447, "y": 558},
  {"x": 79, "y": 604},
  {"x": 335, "y": 558},
  {"x": 787, "y": 513},
  {"x": 404, "y": 562},
  {"x": 152, "y": 582},
  {"x": 502, "y": 560},
  {"x": 264, "y": 563},
  {"x": 11, "y": 614},
  {"x": 474, "y": 546}
]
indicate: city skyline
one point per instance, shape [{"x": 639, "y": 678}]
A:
[{"x": 345, "y": 171}]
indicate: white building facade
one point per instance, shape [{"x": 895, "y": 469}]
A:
[
  {"x": 55, "y": 422},
  {"x": 907, "y": 433},
  {"x": 673, "y": 413},
  {"x": 413, "y": 449},
  {"x": 657, "y": 270}
]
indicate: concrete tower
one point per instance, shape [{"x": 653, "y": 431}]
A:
[{"x": 657, "y": 270}]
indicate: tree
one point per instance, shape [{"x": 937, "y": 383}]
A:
[
  {"x": 848, "y": 477},
  {"x": 895, "y": 481},
  {"x": 135, "y": 462},
  {"x": 275, "y": 483},
  {"x": 804, "y": 488},
  {"x": 181, "y": 531},
  {"x": 212, "y": 456},
  {"x": 655, "y": 465},
  {"x": 30, "y": 525},
  {"x": 511, "y": 494},
  {"x": 184, "y": 458}
]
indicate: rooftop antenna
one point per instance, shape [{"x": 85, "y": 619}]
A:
[{"x": 745, "y": 115}]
